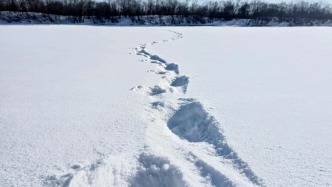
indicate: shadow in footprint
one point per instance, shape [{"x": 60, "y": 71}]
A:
[
  {"x": 156, "y": 90},
  {"x": 157, "y": 172},
  {"x": 217, "y": 179},
  {"x": 157, "y": 104},
  {"x": 173, "y": 67},
  {"x": 157, "y": 58},
  {"x": 193, "y": 123},
  {"x": 182, "y": 82},
  {"x": 142, "y": 52}
]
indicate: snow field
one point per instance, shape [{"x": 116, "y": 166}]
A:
[
  {"x": 180, "y": 124},
  {"x": 171, "y": 157},
  {"x": 65, "y": 101},
  {"x": 81, "y": 107},
  {"x": 270, "y": 90},
  {"x": 69, "y": 117}
]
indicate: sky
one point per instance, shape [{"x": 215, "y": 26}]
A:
[
  {"x": 277, "y": 1},
  {"x": 271, "y": 1}
]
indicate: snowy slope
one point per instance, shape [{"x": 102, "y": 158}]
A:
[{"x": 270, "y": 88}]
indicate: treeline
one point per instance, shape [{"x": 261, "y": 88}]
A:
[{"x": 223, "y": 10}]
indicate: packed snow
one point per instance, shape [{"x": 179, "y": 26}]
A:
[{"x": 165, "y": 106}]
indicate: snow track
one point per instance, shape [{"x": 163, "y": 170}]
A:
[
  {"x": 188, "y": 129},
  {"x": 155, "y": 171},
  {"x": 185, "y": 145}
]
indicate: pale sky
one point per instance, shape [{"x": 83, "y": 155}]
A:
[
  {"x": 275, "y": 1},
  {"x": 271, "y": 1},
  {"x": 278, "y": 1}
]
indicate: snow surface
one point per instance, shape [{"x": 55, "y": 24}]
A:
[
  {"x": 162, "y": 106},
  {"x": 270, "y": 88},
  {"x": 65, "y": 99}
]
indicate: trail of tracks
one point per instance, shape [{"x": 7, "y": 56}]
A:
[
  {"x": 195, "y": 130},
  {"x": 185, "y": 145}
]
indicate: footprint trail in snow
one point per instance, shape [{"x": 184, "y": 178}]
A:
[
  {"x": 182, "y": 132},
  {"x": 185, "y": 145}
]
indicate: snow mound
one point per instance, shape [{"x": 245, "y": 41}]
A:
[{"x": 110, "y": 171}]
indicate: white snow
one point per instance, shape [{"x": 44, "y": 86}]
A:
[
  {"x": 65, "y": 98},
  {"x": 270, "y": 88},
  {"x": 165, "y": 106}
]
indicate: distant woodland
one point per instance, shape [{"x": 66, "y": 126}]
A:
[{"x": 301, "y": 12}]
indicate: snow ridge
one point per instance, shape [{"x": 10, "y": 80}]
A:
[{"x": 185, "y": 145}]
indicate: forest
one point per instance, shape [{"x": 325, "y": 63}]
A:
[{"x": 301, "y": 12}]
